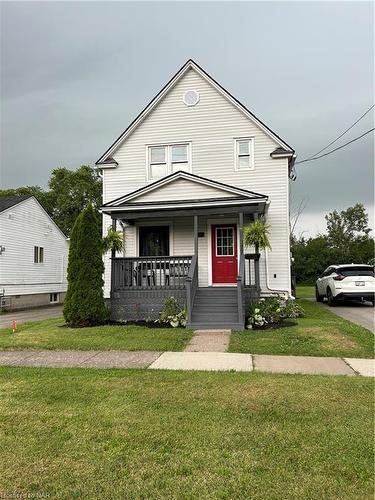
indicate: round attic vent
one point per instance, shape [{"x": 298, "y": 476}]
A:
[{"x": 191, "y": 97}]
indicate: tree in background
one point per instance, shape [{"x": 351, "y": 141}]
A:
[
  {"x": 347, "y": 227},
  {"x": 70, "y": 191},
  {"x": 347, "y": 241},
  {"x": 84, "y": 304}
]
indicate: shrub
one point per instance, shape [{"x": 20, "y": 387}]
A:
[
  {"x": 272, "y": 311},
  {"x": 173, "y": 313},
  {"x": 84, "y": 304}
]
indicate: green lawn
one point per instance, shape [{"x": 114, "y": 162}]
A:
[
  {"x": 305, "y": 291},
  {"x": 52, "y": 334},
  {"x": 81, "y": 433},
  {"x": 319, "y": 333}
]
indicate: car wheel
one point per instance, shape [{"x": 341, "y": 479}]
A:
[
  {"x": 318, "y": 297},
  {"x": 330, "y": 298}
]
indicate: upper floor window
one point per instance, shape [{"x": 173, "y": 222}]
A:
[
  {"x": 165, "y": 160},
  {"x": 38, "y": 255},
  {"x": 244, "y": 154}
]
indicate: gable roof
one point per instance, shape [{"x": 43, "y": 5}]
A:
[
  {"x": 239, "y": 192},
  {"x": 9, "y": 201},
  {"x": 106, "y": 161}
]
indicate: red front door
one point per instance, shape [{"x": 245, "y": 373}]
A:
[{"x": 224, "y": 253}]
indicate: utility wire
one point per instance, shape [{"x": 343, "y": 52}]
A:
[
  {"x": 339, "y": 137},
  {"x": 336, "y": 149}
]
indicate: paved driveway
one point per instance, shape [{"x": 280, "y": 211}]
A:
[
  {"x": 356, "y": 312},
  {"x": 30, "y": 315}
]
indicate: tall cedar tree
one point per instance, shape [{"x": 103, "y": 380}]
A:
[{"x": 84, "y": 303}]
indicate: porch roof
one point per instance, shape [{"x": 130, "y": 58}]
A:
[
  {"x": 159, "y": 198},
  {"x": 198, "y": 208}
]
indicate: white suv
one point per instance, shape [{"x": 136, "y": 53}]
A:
[{"x": 346, "y": 281}]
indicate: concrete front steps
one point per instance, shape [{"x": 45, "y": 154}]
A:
[{"x": 215, "y": 307}]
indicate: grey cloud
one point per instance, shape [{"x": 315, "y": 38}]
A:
[{"x": 74, "y": 74}]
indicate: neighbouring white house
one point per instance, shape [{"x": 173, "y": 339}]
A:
[
  {"x": 181, "y": 182},
  {"x": 33, "y": 255}
]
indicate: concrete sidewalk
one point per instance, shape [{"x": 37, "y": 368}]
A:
[{"x": 207, "y": 361}]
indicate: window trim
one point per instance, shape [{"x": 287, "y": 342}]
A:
[
  {"x": 168, "y": 157},
  {"x": 57, "y": 298},
  {"x": 237, "y": 140},
  {"x": 38, "y": 255},
  {"x": 156, "y": 223},
  {"x": 233, "y": 238}
]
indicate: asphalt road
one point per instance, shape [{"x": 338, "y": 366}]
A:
[
  {"x": 356, "y": 312},
  {"x": 30, "y": 315}
]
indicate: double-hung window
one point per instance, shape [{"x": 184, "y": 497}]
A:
[
  {"x": 38, "y": 255},
  {"x": 244, "y": 154},
  {"x": 165, "y": 160}
]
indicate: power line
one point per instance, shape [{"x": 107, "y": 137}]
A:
[
  {"x": 336, "y": 149},
  {"x": 343, "y": 133}
]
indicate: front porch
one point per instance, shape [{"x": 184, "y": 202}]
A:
[
  {"x": 192, "y": 250},
  {"x": 140, "y": 285}
]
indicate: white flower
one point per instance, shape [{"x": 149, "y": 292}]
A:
[{"x": 256, "y": 310}]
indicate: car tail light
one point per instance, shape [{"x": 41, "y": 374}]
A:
[{"x": 339, "y": 277}]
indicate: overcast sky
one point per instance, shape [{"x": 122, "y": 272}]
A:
[{"x": 73, "y": 75}]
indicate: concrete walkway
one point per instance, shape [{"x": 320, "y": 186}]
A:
[
  {"x": 209, "y": 341},
  {"x": 209, "y": 361}
]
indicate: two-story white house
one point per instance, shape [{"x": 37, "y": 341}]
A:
[
  {"x": 181, "y": 181},
  {"x": 33, "y": 255}
]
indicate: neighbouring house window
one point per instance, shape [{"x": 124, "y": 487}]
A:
[
  {"x": 165, "y": 160},
  {"x": 153, "y": 241},
  {"x": 244, "y": 154},
  {"x": 54, "y": 298},
  {"x": 38, "y": 255}
]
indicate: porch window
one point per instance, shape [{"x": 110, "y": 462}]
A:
[
  {"x": 244, "y": 154},
  {"x": 165, "y": 160},
  {"x": 153, "y": 241}
]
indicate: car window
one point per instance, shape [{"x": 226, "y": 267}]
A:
[{"x": 356, "y": 271}]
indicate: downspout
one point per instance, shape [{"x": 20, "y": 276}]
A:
[
  {"x": 288, "y": 294},
  {"x": 276, "y": 290}
]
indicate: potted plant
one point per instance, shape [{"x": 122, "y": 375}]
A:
[
  {"x": 114, "y": 241},
  {"x": 257, "y": 234}
]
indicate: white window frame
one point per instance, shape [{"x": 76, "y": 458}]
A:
[
  {"x": 168, "y": 157},
  {"x": 237, "y": 140},
  {"x": 57, "y": 297},
  {"x": 39, "y": 255},
  {"x": 233, "y": 236}
]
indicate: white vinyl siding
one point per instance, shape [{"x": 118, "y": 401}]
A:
[
  {"x": 22, "y": 228},
  {"x": 182, "y": 189},
  {"x": 211, "y": 127}
]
